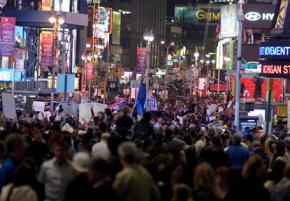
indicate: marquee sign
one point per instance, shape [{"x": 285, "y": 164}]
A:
[
  {"x": 275, "y": 50},
  {"x": 200, "y": 14},
  {"x": 276, "y": 69}
]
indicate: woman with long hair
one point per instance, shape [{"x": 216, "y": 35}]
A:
[
  {"x": 20, "y": 188},
  {"x": 206, "y": 187}
]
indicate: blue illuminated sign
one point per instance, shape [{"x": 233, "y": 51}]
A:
[{"x": 275, "y": 50}]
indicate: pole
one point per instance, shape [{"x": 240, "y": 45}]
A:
[
  {"x": 108, "y": 66},
  {"x": 53, "y": 68},
  {"x": 239, "y": 63},
  {"x": 219, "y": 78},
  {"x": 13, "y": 80},
  {"x": 147, "y": 70},
  {"x": 167, "y": 73},
  {"x": 268, "y": 108},
  {"x": 89, "y": 89}
]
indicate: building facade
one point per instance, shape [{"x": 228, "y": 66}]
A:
[
  {"x": 137, "y": 17},
  {"x": 32, "y": 26}
]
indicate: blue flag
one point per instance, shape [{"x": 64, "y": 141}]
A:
[{"x": 141, "y": 99}]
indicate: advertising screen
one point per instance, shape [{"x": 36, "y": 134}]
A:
[
  {"x": 229, "y": 21},
  {"x": 275, "y": 69},
  {"x": 275, "y": 50},
  {"x": 200, "y": 14}
]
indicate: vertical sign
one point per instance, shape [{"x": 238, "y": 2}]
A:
[
  {"x": 116, "y": 34},
  {"x": 84, "y": 81},
  {"x": 19, "y": 58},
  {"x": 141, "y": 60},
  {"x": 282, "y": 14},
  {"x": 7, "y": 36},
  {"x": 46, "y": 49},
  {"x": 202, "y": 86},
  {"x": 90, "y": 71},
  {"x": 46, "y": 5},
  {"x": 104, "y": 19},
  {"x": 229, "y": 21},
  {"x": 8, "y": 103}
]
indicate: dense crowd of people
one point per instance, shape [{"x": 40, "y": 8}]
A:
[{"x": 168, "y": 155}]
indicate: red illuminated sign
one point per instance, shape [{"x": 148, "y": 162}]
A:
[{"x": 277, "y": 69}]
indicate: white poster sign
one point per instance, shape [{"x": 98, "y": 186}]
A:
[
  {"x": 38, "y": 106},
  {"x": 98, "y": 107},
  {"x": 67, "y": 108},
  {"x": 8, "y": 103},
  {"x": 85, "y": 113}
]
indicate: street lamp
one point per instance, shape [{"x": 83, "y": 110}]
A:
[
  {"x": 196, "y": 55},
  {"x": 149, "y": 38},
  {"x": 57, "y": 20},
  {"x": 168, "y": 57}
]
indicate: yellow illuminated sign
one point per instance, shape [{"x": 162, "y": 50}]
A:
[{"x": 209, "y": 16}]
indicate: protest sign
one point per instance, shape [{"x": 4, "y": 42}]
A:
[
  {"x": 98, "y": 107},
  {"x": 85, "y": 113},
  {"x": 8, "y": 103},
  {"x": 38, "y": 106}
]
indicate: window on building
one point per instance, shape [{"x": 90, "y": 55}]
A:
[{"x": 126, "y": 43}]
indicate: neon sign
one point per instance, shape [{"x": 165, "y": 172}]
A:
[
  {"x": 275, "y": 50},
  {"x": 276, "y": 69}
]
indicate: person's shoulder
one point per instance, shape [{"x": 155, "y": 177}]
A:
[
  {"x": 48, "y": 163},
  {"x": 8, "y": 164}
]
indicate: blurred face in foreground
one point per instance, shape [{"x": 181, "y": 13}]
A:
[
  {"x": 260, "y": 133},
  {"x": 59, "y": 153}
]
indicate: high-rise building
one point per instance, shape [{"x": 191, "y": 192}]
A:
[
  {"x": 33, "y": 26},
  {"x": 137, "y": 17}
]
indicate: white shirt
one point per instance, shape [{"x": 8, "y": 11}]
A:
[
  {"x": 23, "y": 193},
  {"x": 56, "y": 178}
]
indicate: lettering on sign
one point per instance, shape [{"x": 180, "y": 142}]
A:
[
  {"x": 275, "y": 51},
  {"x": 255, "y": 16},
  {"x": 210, "y": 16},
  {"x": 276, "y": 70}
]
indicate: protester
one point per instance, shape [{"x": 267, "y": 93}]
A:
[
  {"x": 182, "y": 192},
  {"x": 15, "y": 147},
  {"x": 57, "y": 173},
  {"x": 252, "y": 188},
  {"x": 206, "y": 187},
  {"x": 99, "y": 177},
  {"x": 79, "y": 188},
  {"x": 144, "y": 129},
  {"x": 19, "y": 188},
  {"x": 237, "y": 153},
  {"x": 281, "y": 192},
  {"x": 187, "y": 150},
  {"x": 134, "y": 183}
]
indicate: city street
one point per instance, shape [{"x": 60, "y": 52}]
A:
[{"x": 144, "y": 100}]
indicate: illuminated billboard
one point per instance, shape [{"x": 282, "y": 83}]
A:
[
  {"x": 229, "y": 21},
  {"x": 103, "y": 19},
  {"x": 275, "y": 50},
  {"x": 198, "y": 14},
  {"x": 276, "y": 69}
]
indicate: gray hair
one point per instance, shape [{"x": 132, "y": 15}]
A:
[{"x": 128, "y": 152}]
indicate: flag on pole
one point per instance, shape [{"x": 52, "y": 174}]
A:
[{"x": 141, "y": 99}]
